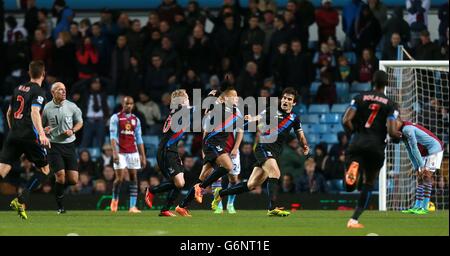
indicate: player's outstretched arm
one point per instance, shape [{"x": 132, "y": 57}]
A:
[
  {"x": 114, "y": 137},
  {"x": 37, "y": 123},
  {"x": 302, "y": 138}
]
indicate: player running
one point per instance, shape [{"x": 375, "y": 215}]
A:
[
  {"x": 267, "y": 154},
  {"x": 214, "y": 144},
  {"x": 126, "y": 141},
  {"x": 169, "y": 161},
  {"x": 26, "y": 134},
  {"x": 425, "y": 151},
  {"x": 62, "y": 119},
  {"x": 370, "y": 116},
  {"x": 232, "y": 147}
]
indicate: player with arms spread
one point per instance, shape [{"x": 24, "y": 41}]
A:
[
  {"x": 370, "y": 116},
  {"x": 267, "y": 154},
  {"x": 26, "y": 134}
]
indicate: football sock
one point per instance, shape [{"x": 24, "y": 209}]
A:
[
  {"x": 133, "y": 194},
  {"x": 163, "y": 187},
  {"x": 235, "y": 189},
  {"x": 363, "y": 201},
  {"x": 37, "y": 179},
  {"x": 59, "y": 194},
  {"x": 427, "y": 188},
  {"x": 272, "y": 184},
  {"x": 215, "y": 175},
  {"x": 171, "y": 197},
  {"x": 419, "y": 196}
]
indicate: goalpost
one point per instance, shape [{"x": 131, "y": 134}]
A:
[{"x": 421, "y": 89}]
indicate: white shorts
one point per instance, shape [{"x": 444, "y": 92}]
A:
[
  {"x": 236, "y": 165},
  {"x": 433, "y": 162},
  {"x": 130, "y": 161}
]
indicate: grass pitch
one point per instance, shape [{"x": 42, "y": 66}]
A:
[{"x": 254, "y": 223}]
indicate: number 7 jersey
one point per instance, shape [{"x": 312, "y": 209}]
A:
[
  {"x": 24, "y": 97},
  {"x": 373, "y": 109}
]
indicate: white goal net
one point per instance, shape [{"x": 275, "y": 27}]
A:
[{"x": 421, "y": 90}]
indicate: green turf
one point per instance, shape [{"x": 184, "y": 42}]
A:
[{"x": 309, "y": 223}]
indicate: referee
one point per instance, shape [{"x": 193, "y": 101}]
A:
[{"x": 62, "y": 119}]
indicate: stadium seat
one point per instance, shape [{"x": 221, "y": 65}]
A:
[
  {"x": 248, "y": 137},
  {"x": 314, "y": 87},
  {"x": 310, "y": 118},
  {"x": 353, "y": 95},
  {"x": 300, "y": 109},
  {"x": 312, "y": 138},
  {"x": 320, "y": 128},
  {"x": 335, "y": 128},
  {"x": 342, "y": 91},
  {"x": 319, "y": 108},
  {"x": 329, "y": 138},
  {"x": 151, "y": 145},
  {"x": 361, "y": 87},
  {"x": 333, "y": 118},
  {"x": 339, "y": 108},
  {"x": 378, "y": 55},
  {"x": 307, "y": 128},
  {"x": 351, "y": 57}
]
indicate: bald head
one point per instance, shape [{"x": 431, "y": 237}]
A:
[
  {"x": 58, "y": 90},
  {"x": 127, "y": 104}
]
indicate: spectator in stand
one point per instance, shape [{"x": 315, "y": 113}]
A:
[
  {"x": 87, "y": 57},
  {"x": 167, "y": 9},
  {"x": 152, "y": 47},
  {"x": 164, "y": 105},
  {"x": 268, "y": 28},
  {"x": 344, "y": 71},
  {"x": 280, "y": 36},
  {"x": 334, "y": 173},
  {"x": 390, "y": 51},
  {"x": 170, "y": 57},
  {"x": 295, "y": 68},
  {"x": 287, "y": 184},
  {"x": 349, "y": 16},
  {"x": 85, "y": 27},
  {"x": 133, "y": 79},
  {"x": 165, "y": 29},
  {"x": 444, "y": 47},
  {"x": 120, "y": 62},
  {"x": 156, "y": 80},
  {"x": 324, "y": 60},
  {"x": 366, "y": 66},
  {"x": 75, "y": 33},
  {"x": 443, "y": 24},
  {"x": 41, "y": 48},
  {"x": 99, "y": 187},
  {"x": 379, "y": 11},
  {"x": 95, "y": 113},
  {"x": 45, "y": 22},
  {"x": 311, "y": 181},
  {"x": 151, "y": 111},
  {"x": 152, "y": 23},
  {"x": 327, "y": 19},
  {"x": 191, "y": 81},
  {"x": 396, "y": 24},
  {"x": 293, "y": 29},
  {"x": 194, "y": 13},
  {"x": 108, "y": 175},
  {"x": 291, "y": 161},
  {"x": 104, "y": 48},
  {"x": 64, "y": 59},
  {"x": 336, "y": 149},
  {"x": 109, "y": 28},
  {"x": 253, "y": 34},
  {"x": 249, "y": 81},
  {"x": 304, "y": 17},
  {"x": 257, "y": 56},
  {"x": 64, "y": 17},
  {"x": 86, "y": 165},
  {"x": 427, "y": 50},
  {"x": 31, "y": 21},
  {"x": 106, "y": 156},
  {"x": 227, "y": 40},
  {"x": 321, "y": 157},
  {"x": 326, "y": 94},
  {"x": 135, "y": 38},
  {"x": 180, "y": 31},
  {"x": 367, "y": 30},
  {"x": 200, "y": 45},
  {"x": 123, "y": 23},
  {"x": 85, "y": 182}
]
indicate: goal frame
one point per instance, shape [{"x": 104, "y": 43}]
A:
[{"x": 383, "y": 64}]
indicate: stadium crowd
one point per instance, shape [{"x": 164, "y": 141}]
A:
[{"x": 259, "y": 50}]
